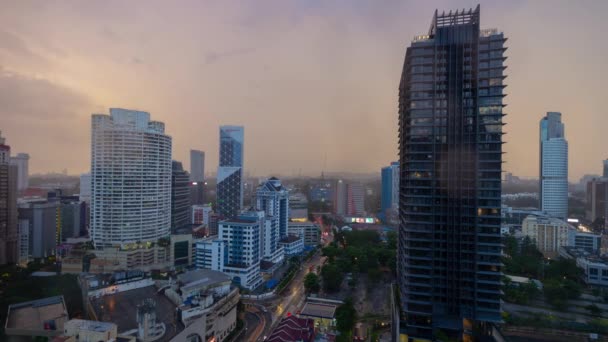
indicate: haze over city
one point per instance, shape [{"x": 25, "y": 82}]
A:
[{"x": 319, "y": 77}]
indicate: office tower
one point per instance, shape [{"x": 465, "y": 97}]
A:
[
  {"x": 230, "y": 171},
  {"x": 390, "y": 187},
  {"x": 450, "y": 146},
  {"x": 197, "y": 166},
  {"x": 21, "y": 160},
  {"x": 340, "y": 197},
  {"x": 39, "y": 219},
  {"x": 130, "y": 179},
  {"x": 85, "y": 187},
  {"x": 201, "y": 214},
  {"x": 180, "y": 196},
  {"x": 9, "y": 234},
  {"x": 70, "y": 218},
  {"x": 596, "y": 206},
  {"x": 272, "y": 199},
  {"x": 553, "y": 178},
  {"x": 298, "y": 207},
  {"x": 355, "y": 202},
  {"x": 605, "y": 171},
  {"x": 243, "y": 264}
]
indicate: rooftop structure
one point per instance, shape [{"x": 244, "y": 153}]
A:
[
  {"x": 293, "y": 329},
  {"x": 41, "y": 317}
]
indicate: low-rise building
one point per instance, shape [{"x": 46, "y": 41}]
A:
[
  {"x": 42, "y": 317},
  {"x": 548, "y": 233},
  {"x": 584, "y": 240},
  {"x": 293, "y": 328},
  {"x": 205, "y": 296},
  {"x": 85, "y": 331},
  {"x": 595, "y": 267},
  {"x": 292, "y": 245},
  {"x": 210, "y": 254},
  {"x": 309, "y": 231}
]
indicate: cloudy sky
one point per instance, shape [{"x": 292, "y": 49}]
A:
[{"x": 310, "y": 80}]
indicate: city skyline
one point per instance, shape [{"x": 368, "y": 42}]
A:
[{"x": 251, "y": 63}]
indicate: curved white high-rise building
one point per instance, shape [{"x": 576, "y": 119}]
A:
[
  {"x": 130, "y": 179},
  {"x": 553, "y": 166}
]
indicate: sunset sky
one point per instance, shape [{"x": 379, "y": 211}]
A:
[{"x": 309, "y": 80}]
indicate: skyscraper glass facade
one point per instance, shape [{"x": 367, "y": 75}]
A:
[
  {"x": 230, "y": 171},
  {"x": 450, "y": 136}
]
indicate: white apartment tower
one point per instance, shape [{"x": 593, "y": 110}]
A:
[{"x": 130, "y": 179}]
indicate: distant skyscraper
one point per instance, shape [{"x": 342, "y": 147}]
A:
[
  {"x": 355, "y": 203},
  {"x": 85, "y": 187},
  {"x": 450, "y": 137},
  {"x": 21, "y": 160},
  {"x": 197, "y": 166},
  {"x": 340, "y": 197},
  {"x": 390, "y": 187},
  {"x": 180, "y": 196},
  {"x": 273, "y": 199},
  {"x": 230, "y": 171},
  {"x": 131, "y": 179},
  {"x": 553, "y": 176},
  {"x": 9, "y": 233},
  {"x": 605, "y": 173}
]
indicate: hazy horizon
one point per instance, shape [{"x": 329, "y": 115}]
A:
[{"x": 314, "y": 83}]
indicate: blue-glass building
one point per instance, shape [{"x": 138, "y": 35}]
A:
[
  {"x": 553, "y": 177},
  {"x": 390, "y": 187},
  {"x": 450, "y": 139},
  {"x": 230, "y": 171}
]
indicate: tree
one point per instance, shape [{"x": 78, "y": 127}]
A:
[
  {"x": 594, "y": 309},
  {"x": 311, "y": 283},
  {"x": 510, "y": 245},
  {"x": 346, "y": 316},
  {"x": 391, "y": 239},
  {"x": 332, "y": 277}
]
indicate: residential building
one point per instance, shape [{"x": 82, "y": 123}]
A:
[
  {"x": 355, "y": 203},
  {"x": 201, "y": 214},
  {"x": 596, "y": 206},
  {"x": 548, "y": 233},
  {"x": 292, "y": 245},
  {"x": 9, "y": 233},
  {"x": 553, "y": 176},
  {"x": 39, "y": 219},
  {"x": 309, "y": 231},
  {"x": 21, "y": 160},
  {"x": 230, "y": 171},
  {"x": 450, "y": 138},
  {"x": 390, "y": 187},
  {"x": 197, "y": 166},
  {"x": 298, "y": 207},
  {"x": 243, "y": 236},
  {"x": 130, "y": 179},
  {"x": 180, "y": 196},
  {"x": 272, "y": 199}
]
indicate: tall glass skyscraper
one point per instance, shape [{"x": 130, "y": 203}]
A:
[
  {"x": 390, "y": 187},
  {"x": 130, "y": 179},
  {"x": 180, "y": 196},
  {"x": 553, "y": 178},
  {"x": 450, "y": 136},
  {"x": 230, "y": 171}
]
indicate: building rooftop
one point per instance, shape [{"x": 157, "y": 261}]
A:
[
  {"x": 202, "y": 278},
  {"x": 290, "y": 239},
  {"x": 91, "y": 325},
  {"x": 47, "y": 314},
  {"x": 293, "y": 329},
  {"x": 319, "y": 310}
]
